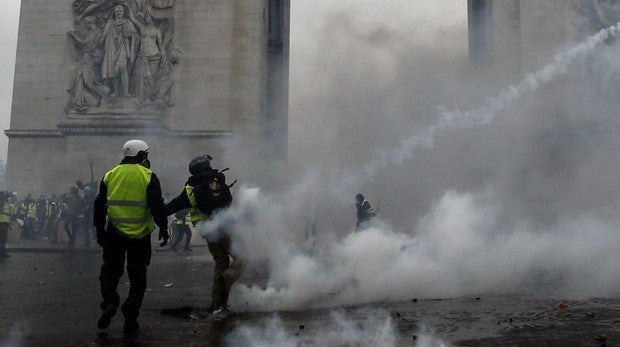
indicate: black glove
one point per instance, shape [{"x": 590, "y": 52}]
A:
[
  {"x": 101, "y": 235},
  {"x": 163, "y": 235}
]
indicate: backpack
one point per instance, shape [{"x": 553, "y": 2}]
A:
[{"x": 211, "y": 192}]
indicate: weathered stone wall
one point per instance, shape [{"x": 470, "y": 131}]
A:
[
  {"x": 220, "y": 89},
  {"x": 42, "y": 65}
]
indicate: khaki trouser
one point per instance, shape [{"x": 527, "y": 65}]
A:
[{"x": 226, "y": 272}]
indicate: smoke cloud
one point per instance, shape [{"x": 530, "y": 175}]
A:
[
  {"x": 513, "y": 196},
  {"x": 363, "y": 327},
  {"x": 459, "y": 249},
  {"x": 376, "y": 329}
]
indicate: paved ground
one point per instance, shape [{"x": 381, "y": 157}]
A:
[{"x": 49, "y": 296}]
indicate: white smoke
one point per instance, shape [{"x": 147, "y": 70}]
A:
[
  {"x": 372, "y": 329},
  {"x": 456, "y": 119},
  {"x": 458, "y": 249},
  {"x": 362, "y": 327},
  {"x": 461, "y": 246}
]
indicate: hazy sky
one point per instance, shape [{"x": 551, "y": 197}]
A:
[{"x": 9, "y": 19}]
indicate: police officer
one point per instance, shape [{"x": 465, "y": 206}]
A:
[
  {"x": 52, "y": 219},
  {"x": 365, "y": 212},
  {"x": 223, "y": 244},
  {"x": 181, "y": 227},
  {"x": 30, "y": 218},
  {"x": 87, "y": 211},
  {"x": 41, "y": 215},
  {"x": 130, "y": 196},
  {"x": 74, "y": 218}
]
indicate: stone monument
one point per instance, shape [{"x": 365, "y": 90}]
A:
[{"x": 184, "y": 75}]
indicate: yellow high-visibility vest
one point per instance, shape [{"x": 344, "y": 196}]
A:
[
  {"x": 31, "y": 210},
  {"x": 185, "y": 220},
  {"x": 195, "y": 215},
  {"x": 127, "y": 206},
  {"x": 5, "y": 212}
]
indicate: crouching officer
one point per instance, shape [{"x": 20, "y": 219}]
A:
[
  {"x": 130, "y": 196},
  {"x": 205, "y": 192}
]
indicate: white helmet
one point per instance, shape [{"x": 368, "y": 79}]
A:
[{"x": 131, "y": 148}]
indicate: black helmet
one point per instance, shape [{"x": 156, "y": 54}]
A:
[
  {"x": 200, "y": 164},
  {"x": 359, "y": 197}
]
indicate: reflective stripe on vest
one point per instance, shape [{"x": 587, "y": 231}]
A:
[
  {"x": 370, "y": 209},
  {"x": 183, "y": 221},
  {"x": 126, "y": 205},
  {"x": 32, "y": 210},
  {"x": 195, "y": 215}
]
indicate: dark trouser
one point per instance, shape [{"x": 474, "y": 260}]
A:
[
  {"x": 138, "y": 253},
  {"x": 362, "y": 224},
  {"x": 49, "y": 229},
  {"x": 28, "y": 231},
  {"x": 78, "y": 225},
  {"x": 182, "y": 229},
  {"x": 73, "y": 226},
  {"x": 226, "y": 272},
  {"x": 67, "y": 226},
  {"x": 53, "y": 223},
  {"x": 40, "y": 226},
  {"x": 4, "y": 236},
  {"x": 83, "y": 225}
]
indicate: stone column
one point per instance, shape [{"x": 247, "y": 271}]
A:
[{"x": 480, "y": 23}]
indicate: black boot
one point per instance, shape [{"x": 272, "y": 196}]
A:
[
  {"x": 131, "y": 326},
  {"x": 106, "y": 317}
]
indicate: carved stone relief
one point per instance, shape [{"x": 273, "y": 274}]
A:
[{"x": 124, "y": 56}]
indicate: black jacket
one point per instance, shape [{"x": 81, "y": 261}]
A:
[
  {"x": 182, "y": 202},
  {"x": 154, "y": 201}
]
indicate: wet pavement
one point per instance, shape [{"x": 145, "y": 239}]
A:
[{"x": 50, "y": 296}]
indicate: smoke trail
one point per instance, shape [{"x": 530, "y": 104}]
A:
[{"x": 456, "y": 119}]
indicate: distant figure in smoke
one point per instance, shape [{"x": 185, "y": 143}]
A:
[
  {"x": 29, "y": 231},
  {"x": 87, "y": 211},
  {"x": 205, "y": 193},
  {"x": 74, "y": 222},
  {"x": 365, "y": 212},
  {"x": 180, "y": 228},
  {"x": 130, "y": 196},
  {"x": 41, "y": 215},
  {"x": 51, "y": 224}
]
